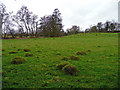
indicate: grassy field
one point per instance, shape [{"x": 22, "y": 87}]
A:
[{"x": 97, "y": 69}]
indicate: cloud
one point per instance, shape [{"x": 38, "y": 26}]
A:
[{"x": 74, "y": 12}]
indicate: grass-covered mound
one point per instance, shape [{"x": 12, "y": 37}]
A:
[
  {"x": 65, "y": 58},
  {"x": 29, "y": 55},
  {"x": 70, "y": 69},
  {"x": 74, "y": 58},
  {"x": 27, "y": 50},
  {"x": 61, "y": 65},
  {"x": 13, "y": 52},
  {"x": 18, "y": 60},
  {"x": 81, "y": 53}
]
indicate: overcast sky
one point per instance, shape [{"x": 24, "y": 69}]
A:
[{"x": 74, "y": 12}]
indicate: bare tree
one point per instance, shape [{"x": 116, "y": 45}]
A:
[
  {"x": 3, "y": 18},
  {"x": 33, "y": 24},
  {"x": 9, "y": 25},
  {"x": 23, "y": 18},
  {"x": 0, "y": 26},
  {"x": 19, "y": 25}
]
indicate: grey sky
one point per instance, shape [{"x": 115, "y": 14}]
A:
[{"x": 74, "y": 12}]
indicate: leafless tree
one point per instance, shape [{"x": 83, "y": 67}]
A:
[{"x": 3, "y": 18}]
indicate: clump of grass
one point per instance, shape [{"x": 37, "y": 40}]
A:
[
  {"x": 18, "y": 60},
  {"x": 6, "y": 78},
  {"x": 27, "y": 50},
  {"x": 89, "y": 50},
  {"x": 3, "y": 49},
  {"x": 61, "y": 65},
  {"x": 54, "y": 50},
  {"x": 81, "y": 53},
  {"x": 3, "y": 73},
  {"x": 29, "y": 55},
  {"x": 65, "y": 58},
  {"x": 70, "y": 69},
  {"x": 57, "y": 79},
  {"x": 37, "y": 57},
  {"x": 98, "y": 46},
  {"x": 74, "y": 58},
  {"x": 18, "y": 49},
  {"x": 13, "y": 52},
  {"x": 3, "y": 54},
  {"x": 58, "y": 53},
  {"x": 36, "y": 45},
  {"x": 38, "y": 51},
  {"x": 45, "y": 84}
]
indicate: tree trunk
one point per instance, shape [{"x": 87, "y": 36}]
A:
[
  {"x": 12, "y": 35},
  {"x": 26, "y": 29}
]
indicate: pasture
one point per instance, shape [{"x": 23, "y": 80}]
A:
[{"x": 97, "y": 65}]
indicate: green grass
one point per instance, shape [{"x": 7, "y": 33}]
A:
[{"x": 97, "y": 69}]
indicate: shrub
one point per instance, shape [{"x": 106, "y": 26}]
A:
[
  {"x": 61, "y": 65},
  {"x": 74, "y": 58},
  {"x": 3, "y": 49},
  {"x": 18, "y": 60},
  {"x": 65, "y": 58},
  {"x": 70, "y": 69},
  {"x": 12, "y": 52},
  {"x": 27, "y": 50},
  {"x": 81, "y": 53},
  {"x": 28, "y": 54}
]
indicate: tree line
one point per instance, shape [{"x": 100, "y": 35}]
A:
[
  {"x": 26, "y": 24},
  {"x": 108, "y": 26}
]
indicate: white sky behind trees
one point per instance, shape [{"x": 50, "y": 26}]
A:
[{"x": 82, "y": 13}]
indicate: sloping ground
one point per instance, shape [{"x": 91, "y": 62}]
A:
[{"x": 97, "y": 69}]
